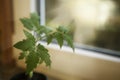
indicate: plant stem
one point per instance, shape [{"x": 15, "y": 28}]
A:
[{"x": 30, "y": 74}]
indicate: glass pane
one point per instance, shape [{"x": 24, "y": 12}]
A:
[{"x": 92, "y": 22}]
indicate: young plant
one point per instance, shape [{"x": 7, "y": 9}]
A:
[{"x": 33, "y": 52}]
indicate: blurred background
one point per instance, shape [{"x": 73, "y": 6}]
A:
[
  {"x": 94, "y": 27},
  {"x": 88, "y": 20}
]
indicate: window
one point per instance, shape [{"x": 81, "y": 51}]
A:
[{"x": 93, "y": 23}]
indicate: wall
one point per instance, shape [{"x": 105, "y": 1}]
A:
[{"x": 21, "y": 9}]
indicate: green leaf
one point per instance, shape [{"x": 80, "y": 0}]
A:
[
  {"x": 29, "y": 35},
  {"x": 32, "y": 61},
  {"x": 44, "y": 55},
  {"x": 25, "y": 45},
  {"x": 22, "y": 55},
  {"x": 40, "y": 30},
  {"x": 34, "y": 17},
  {"x": 49, "y": 39},
  {"x": 59, "y": 38},
  {"x": 47, "y": 30},
  {"x": 69, "y": 41},
  {"x": 35, "y": 20},
  {"x": 62, "y": 29},
  {"x": 27, "y": 23}
]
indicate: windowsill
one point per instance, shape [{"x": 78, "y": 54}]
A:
[
  {"x": 89, "y": 51},
  {"x": 79, "y": 65}
]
